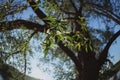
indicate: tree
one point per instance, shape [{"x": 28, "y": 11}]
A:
[{"x": 66, "y": 24}]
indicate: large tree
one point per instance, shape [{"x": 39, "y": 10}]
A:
[{"x": 66, "y": 23}]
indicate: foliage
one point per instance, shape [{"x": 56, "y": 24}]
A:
[{"x": 67, "y": 26}]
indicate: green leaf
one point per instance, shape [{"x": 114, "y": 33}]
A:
[
  {"x": 86, "y": 49},
  {"x": 45, "y": 51},
  {"x": 90, "y": 47},
  {"x": 60, "y": 37},
  {"x": 79, "y": 47},
  {"x": 50, "y": 18}
]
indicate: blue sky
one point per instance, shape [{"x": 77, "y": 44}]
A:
[
  {"x": 115, "y": 47},
  {"x": 115, "y": 51},
  {"x": 38, "y": 73}
]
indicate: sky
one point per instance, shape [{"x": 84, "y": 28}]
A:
[
  {"x": 115, "y": 51},
  {"x": 38, "y": 73},
  {"x": 1, "y": 77},
  {"x": 115, "y": 47}
]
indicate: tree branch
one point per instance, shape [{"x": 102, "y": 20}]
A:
[
  {"x": 108, "y": 16},
  {"x": 102, "y": 8},
  {"x": 74, "y": 5},
  {"x": 105, "y": 12},
  {"x": 7, "y": 55},
  {"x": 37, "y": 10},
  {"x": 17, "y": 24},
  {"x": 114, "y": 70},
  {"x": 104, "y": 53},
  {"x": 41, "y": 15},
  {"x": 71, "y": 55},
  {"x": 67, "y": 12}
]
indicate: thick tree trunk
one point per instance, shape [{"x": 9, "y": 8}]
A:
[
  {"x": 90, "y": 69},
  {"x": 89, "y": 73}
]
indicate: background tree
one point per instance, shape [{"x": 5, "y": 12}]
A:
[{"x": 67, "y": 26}]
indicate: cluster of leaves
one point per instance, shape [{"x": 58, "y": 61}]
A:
[
  {"x": 99, "y": 37},
  {"x": 61, "y": 28}
]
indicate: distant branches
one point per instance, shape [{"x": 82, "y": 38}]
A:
[
  {"x": 102, "y": 10},
  {"x": 7, "y": 55}
]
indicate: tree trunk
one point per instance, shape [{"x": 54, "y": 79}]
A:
[
  {"x": 90, "y": 73},
  {"x": 90, "y": 69}
]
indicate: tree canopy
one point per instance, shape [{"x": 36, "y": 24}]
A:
[{"x": 78, "y": 32}]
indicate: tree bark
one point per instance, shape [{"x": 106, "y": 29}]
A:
[{"x": 90, "y": 69}]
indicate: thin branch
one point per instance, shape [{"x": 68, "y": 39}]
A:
[
  {"x": 105, "y": 9},
  {"x": 32, "y": 35},
  {"x": 114, "y": 70},
  {"x": 73, "y": 4},
  {"x": 108, "y": 16},
  {"x": 104, "y": 53},
  {"x": 7, "y": 55},
  {"x": 25, "y": 65},
  {"x": 67, "y": 12},
  {"x": 80, "y": 8},
  {"x": 105, "y": 12}
]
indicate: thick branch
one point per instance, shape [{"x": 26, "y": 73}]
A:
[
  {"x": 37, "y": 10},
  {"x": 18, "y": 24},
  {"x": 104, "y": 53},
  {"x": 41, "y": 15},
  {"x": 71, "y": 55}
]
